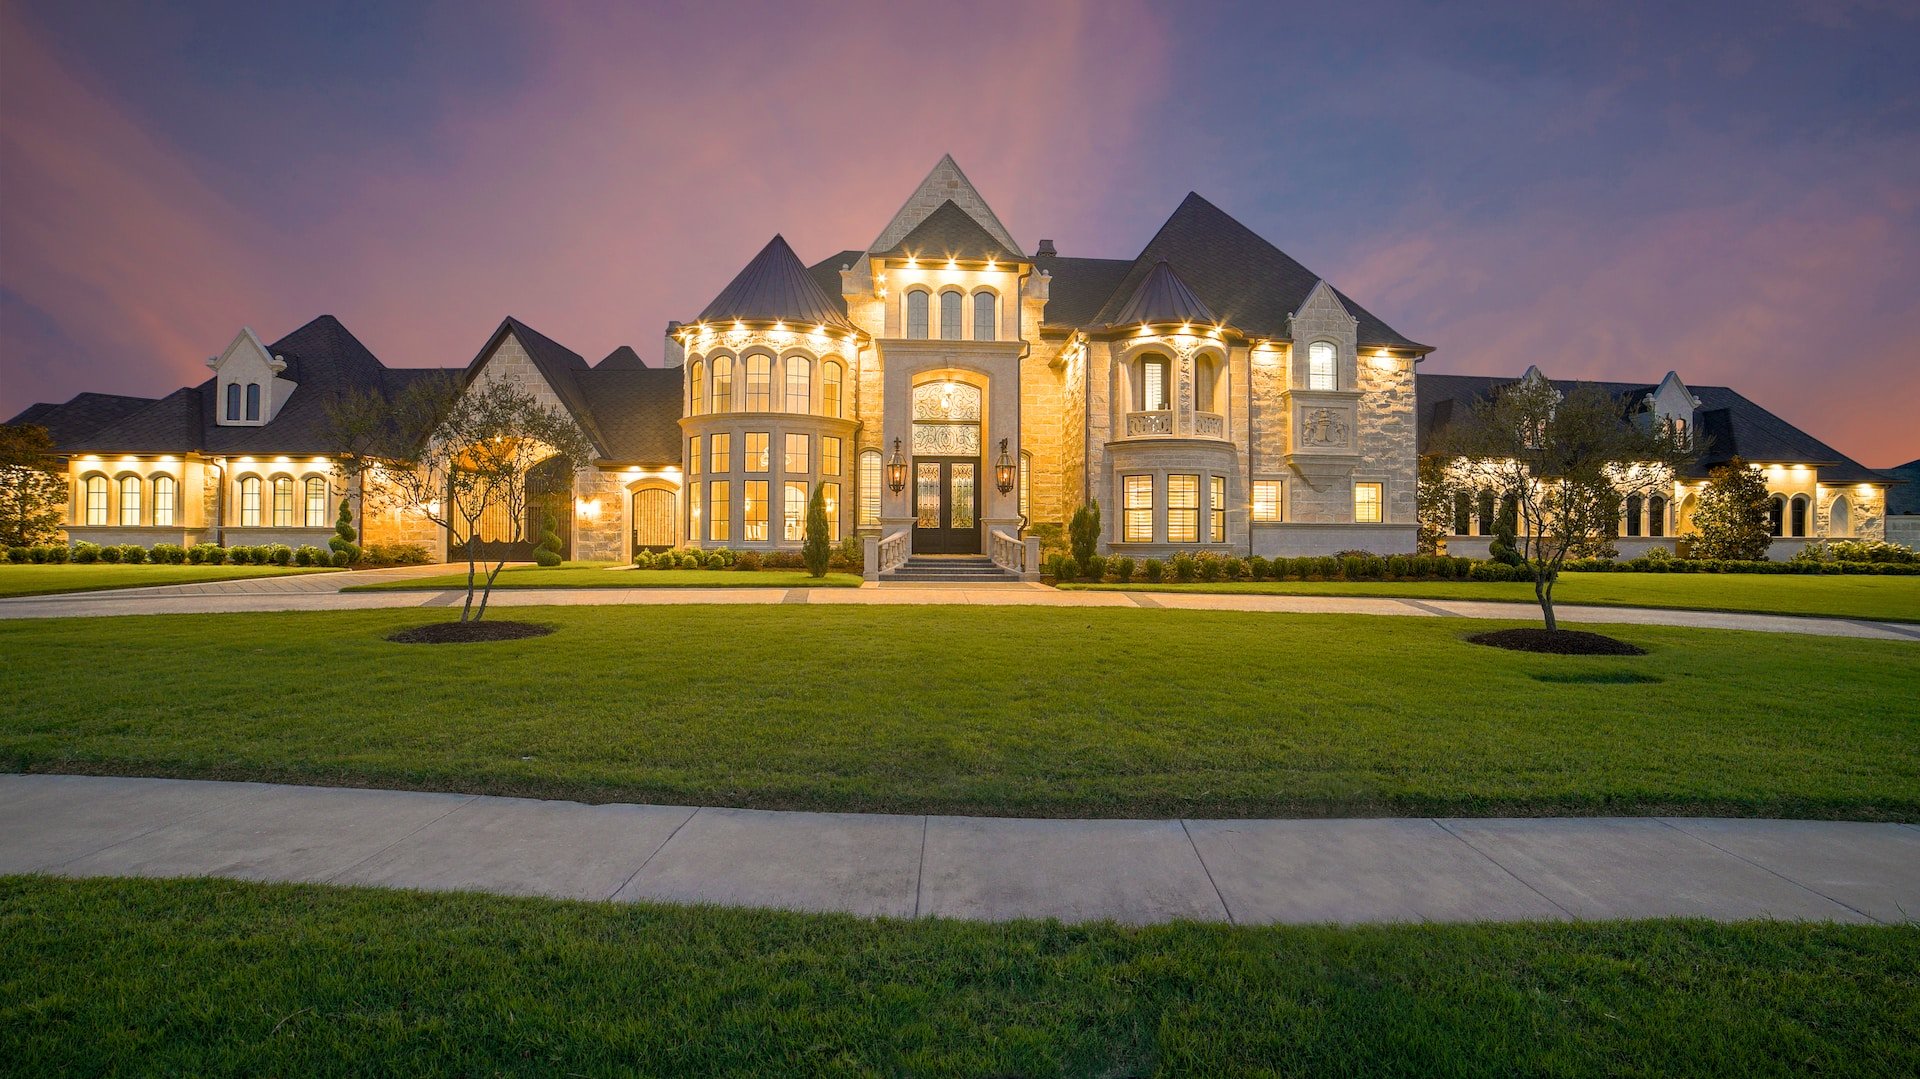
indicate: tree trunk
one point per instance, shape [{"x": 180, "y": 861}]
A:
[
  {"x": 466, "y": 609},
  {"x": 1543, "y": 591},
  {"x": 487, "y": 594}
]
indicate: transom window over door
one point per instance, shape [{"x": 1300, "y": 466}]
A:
[{"x": 946, "y": 420}]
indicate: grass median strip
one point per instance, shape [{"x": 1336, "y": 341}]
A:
[
  {"x": 40, "y": 580},
  {"x": 1895, "y": 599},
  {"x": 1101, "y": 712},
  {"x": 612, "y": 575},
  {"x": 230, "y": 978}
]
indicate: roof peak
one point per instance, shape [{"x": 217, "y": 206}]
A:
[
  {"x": 775, "y": 287},
  {"x": 950, "y": 232},
  {"x": 945, "y": 182}
]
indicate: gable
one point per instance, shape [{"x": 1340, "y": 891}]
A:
[{"x": 945, "y": 183}]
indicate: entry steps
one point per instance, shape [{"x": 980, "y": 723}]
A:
[{"x": 949, "y": 569}]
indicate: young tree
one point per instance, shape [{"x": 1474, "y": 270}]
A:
[
  {"x": 1434, "y": 511},
  {"x": 32, "y": 490},
  {"x": 1732, "y": 515},
  {"x": 1083, "y": 534},
  {"x": 472, "y": 468},
  {"x": 818, "y": 548},
  {"x": 1569, "y": 461}
]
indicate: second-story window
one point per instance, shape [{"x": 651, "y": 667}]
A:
[
  {"x": 759, "y": 383},
  {"x": 799, "y": 384},
  {"x": 1322, "y": 372},
  {"x": 697, "y": 388},
  {"x": 917, "y": 301},
  {"x": 722, "y": 383},
  {"x": 1153, "y": 384},
  {"x": 830, "y": 375},
  {"x": 233, "y": 400},
  {"x": 985, "y": 316},
  {"x": 253, "y": 400},
  {"x": 949, "y": 316}
]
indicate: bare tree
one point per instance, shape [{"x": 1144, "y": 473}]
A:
[
  {"x": 471, "y": 469},
  {"x": 1569, "y": 461}
]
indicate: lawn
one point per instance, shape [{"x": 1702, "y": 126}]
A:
[
  {"x": 616, "y": 575},
  {"x": 1850, "y": 596},
  {"x": 39, "y": 580},
  {"x": 1102, "y": 712},
  {"x": 226, "y": 978}
]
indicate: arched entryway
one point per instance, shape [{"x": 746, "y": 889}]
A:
[
  {"x": 946, "y": 467},
  {"x": 653, "y": 517},
  {"x": 548, "y": 490}
]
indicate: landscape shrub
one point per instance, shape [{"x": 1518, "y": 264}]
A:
[
  {"x": 1184, "y": 566},
  {"x": 19, "y": 556},
  {"x": 1096, "y": 568},
  {"x": 110, "y": 553},
  {"x": 1233, "y": 567},
  {"x": 851, "y": 555},
  {"x": 1121, "y": 567},
  {"x": 546, "y": 554},
  {"x": 643, "y": 559},
  {"x": 1492, "y": 571},
  {"x": 1064, "y": 568},
  {"x": 280, "y": 554},
  {"x": 307, "y": 555},
  {"x": 86, "y": 553},
  {"x": 58, "y": 555},
  {"x": 747, "y": 560},
  {"x": 690, "y": 560},
  {"x": 391, "y": 554},
  {"x": 170, "y": 553},
  {"x": 345, "y": 551},
  {"x": 1084, "y": 533},
  {"x": 1155, "y": 570},
  {"x": 40, "y": 555},
  {"x": 1873, "y": 551},
  {"x": 1206, "y": 566},
  {"x": 1258, "y": 568},
  {"x": 816, "y": 547}
]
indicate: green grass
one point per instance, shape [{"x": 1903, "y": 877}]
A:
[
  {"x": 614, "y": 575},
  {"x": 226, "y": 978},
  {"x": 32, "y": 580},
  {"x": 1886, "y": 598},
  {"x": 1115, "y": 712}
]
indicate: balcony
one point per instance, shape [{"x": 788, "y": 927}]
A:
[
  {"x": 1209, "y": 425},
  {"x": 1158, "y": 423}
]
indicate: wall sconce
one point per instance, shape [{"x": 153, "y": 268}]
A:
[
  {"x": 1003, "y": 470},
  {"x": 587, "y": 508},
  {"x": 897, "y": 470}
]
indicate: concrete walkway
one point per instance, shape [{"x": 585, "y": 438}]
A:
[
  {"x": 322, "y": 592},
  {"x": 1137, "y": 871}
]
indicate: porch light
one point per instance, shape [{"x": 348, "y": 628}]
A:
[
  {"x": 896, "y": 470},
  {"x": 1003, "y": 470}
]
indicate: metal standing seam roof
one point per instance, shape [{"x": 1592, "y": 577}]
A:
[
  {"x": 775, "y": 287},
  {"x": 1163, "y": 297}
]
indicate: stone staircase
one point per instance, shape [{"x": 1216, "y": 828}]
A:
[{"x": 948, "y": 569}]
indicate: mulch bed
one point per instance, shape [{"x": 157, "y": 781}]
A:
[
  {"x": 468, "y": 632},
  {"x": 1558, "y": 642}
]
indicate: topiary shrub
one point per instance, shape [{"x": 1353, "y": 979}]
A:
[
  {"x": 714, "y": 560},
  {"x": 345, "y": 551},
  {"x": 1155, "y": 570},
  {"x": 110, "y": 553},
  {"x": 547, "y": 554},
  {"x": 690, "y": 560}
]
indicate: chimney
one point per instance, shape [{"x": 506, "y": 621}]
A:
[{"x": 1045, "y": 250}]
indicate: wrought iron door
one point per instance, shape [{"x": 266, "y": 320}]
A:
[{"x": 946, "y": 505}]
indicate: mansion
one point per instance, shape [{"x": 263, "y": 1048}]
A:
[{"x": 948, "y": 390}]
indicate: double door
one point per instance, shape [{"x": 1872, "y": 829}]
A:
[{"x": 946, "y": 505}]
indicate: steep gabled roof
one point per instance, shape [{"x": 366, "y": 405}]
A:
[
  {"x": 826, "y": 274},
  {"x": 951, "y": 233},
  {"x": 557, "y": 364},
  {"x": 1163, "y": 297},
  {"x": 943, "y": 183},
  {"x": 1249, "y": 283},
  {"x": 623, "y": 358},
  {"x": 776, "y": 287},
  {"x": 81, "y": 415},
  {"x": 1728, "y": 424},
  {"x": 1079, "y": 287}
]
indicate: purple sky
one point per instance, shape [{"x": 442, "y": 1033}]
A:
[{"x": 1605, "y": 190}]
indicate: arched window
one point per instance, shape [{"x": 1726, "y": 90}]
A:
[
  {"x": 759, "y": 382},
  {"x": 1486, "y": 513},
  {"x": 166, "y": 500},
  {"x": 917, "y": 301},
  {"x": 233, "y": 400},
  {"x": 1801, "y": 504},
  {"x": 799, "y": 384},
  {"x": 1840, "y": 517},
  {"x": 253, "y": 400},
  {"x": 869, "y": 488},
  {"x": 830, "y": 376},
  {"x": 1656, "y": 516},
  {"x": 96, "y": 500},
  {"x": 1776, "y": 516},
  {"x": 723, "y": 383},
  {"x": 985, "y": 317},
  {"x": 1151, "y": 382},
  {"x": 282, "y": 502},
  {"x": 249, "y": 501},
  {"x": 696, "y": 388},
  {"x": 1206, "y": 376},
  {"x": 129, "y": 500},
  {"x": 316, "y": 502},
  {"x": 1635, "y": 506},
  {"x": 1687, "y": 506},
  {"x": 1462, "y": 514},
  {"x": 950, "y": 316},
  {"x": 1322, "y": 366}
]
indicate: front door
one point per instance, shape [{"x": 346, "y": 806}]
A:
[
  {"x": 652, "y": 519},
  {"x": 946, "y": 505}
]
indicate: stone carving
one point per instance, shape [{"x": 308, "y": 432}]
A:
[
  {"x": 947, "y": 402},
  {"x": 1323, "y": 427},
  {"x": 1150, "y": 423}
]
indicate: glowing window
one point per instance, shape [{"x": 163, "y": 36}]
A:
[
  {"x": 719, "y": 510},
  {"x": 250, "y": 502},
  {"x": 316, "y": 502},
  {"x": 759, "y": 383},
  {"x": 1266, "y": 500},
  {"x": 830, "y": 498},
  {"x": 1217, "y": 509},
  {"x": 1026, "y": 485},
  {"x": 282, "y": 502},
  {"x": 795, "y": 525},
  {"x": 950, "y": 316},
  {"x": 1136, "y": 507},
  {"x": 754, "y": 512},
  {"x": 96, "y": 500},
  {"x": 697, "y": 388},
  {"x": 798, "y": 451},
  {"x": 756, "y": 451},
  {"x": 166, "y": 499},
  {"x": 869, "y": 488},
  {"x": 830, "y": 377},
  {"x": 1322, "y": 373},
  {"x": 1183, "y": 509},
  {"x": 1366, "y": 503},
  {"x": 129, "y": 500},
  {"x": 829, "y": 455},
  {"x": 722, "y": 458},
  {"x": 1153, "y": 384},
  {"x": 722, "y": 383},
  {"x": 694, "y": 462},
  {"x": 799, "y": 384}
]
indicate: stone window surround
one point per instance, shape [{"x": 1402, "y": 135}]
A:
[
  {"x": 1128, "y": 386},
  {"x": 1159, "y": 475},
  {"x": 969, "y": 313},
  {"x": 699, "y": 370}
]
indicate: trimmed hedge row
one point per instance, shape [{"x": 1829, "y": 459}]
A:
[
  {"x": 1186, "y": 566},
  {"x": 847, "y": 556},
  {"x": 1715, "y": 565},
  {"x": 212, "y": 554}
]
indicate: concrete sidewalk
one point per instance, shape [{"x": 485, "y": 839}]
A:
[
  {"x": 321, "y": 592},
  {"x": 1136, "y": 871}
]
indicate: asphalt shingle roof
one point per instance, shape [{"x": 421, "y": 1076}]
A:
[
  {"x": 1729, "y": 424},
  {"x": 1163, "y": 297},
  {"x": 776, "y": 287},
  {"x": 1079, "y": 287},
  {"x": 81, "y": 415},
  {"x": 951, "y": 233}
]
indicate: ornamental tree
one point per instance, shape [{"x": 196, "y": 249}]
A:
[
  {"x": 1732, "y": 517},
  {"x": 818, "y": 548},
  {"x": 1434, "y": 509},
  {"x": 1083, "y": 533},
  {"x": 32, "y": 490},
  {"x": 471, "y": 469},
  {"x": 1569, "y": 461}
]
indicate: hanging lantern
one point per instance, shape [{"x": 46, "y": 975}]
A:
[
  {"x": 897, "y": 470},
  {"x": 1003, "y": 474}
]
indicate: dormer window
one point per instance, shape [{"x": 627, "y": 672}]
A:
[
  {"x": 253, "y": 400},
  {"x": 1322, "y": 373},
  {"x": 233, "y": 400}
]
